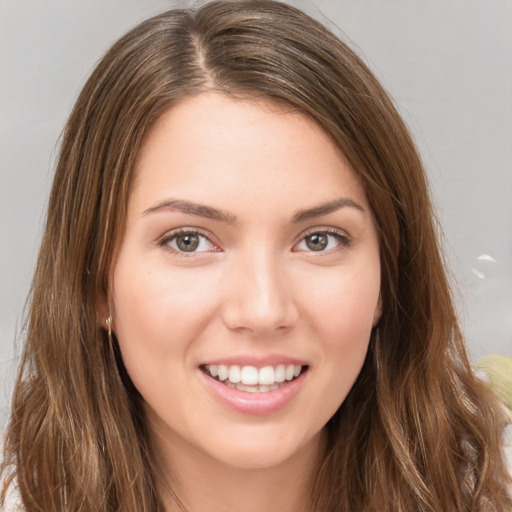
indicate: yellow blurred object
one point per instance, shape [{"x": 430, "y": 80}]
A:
[{"x": 498, "y": 374}]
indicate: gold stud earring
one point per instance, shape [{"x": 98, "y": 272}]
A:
[{"x": 108, "y": 321}]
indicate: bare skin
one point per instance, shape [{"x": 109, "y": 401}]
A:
[
  {"x": 250, "y": 252},
  {"x": 203, "y": 484}
]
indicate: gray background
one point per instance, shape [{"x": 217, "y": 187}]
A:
[{"x": 447, "y": 63}]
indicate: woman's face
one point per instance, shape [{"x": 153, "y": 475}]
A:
[{"x": 247, "y": 282}]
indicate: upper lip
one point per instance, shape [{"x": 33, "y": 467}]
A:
[{"x": 257, "y": 361}]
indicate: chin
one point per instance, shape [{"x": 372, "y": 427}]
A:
[{"x": 253, "y": 452}]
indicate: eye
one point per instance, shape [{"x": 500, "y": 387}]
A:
[
  {"x": 187, "y": 241},
  {"x": 323, "y": 241}
]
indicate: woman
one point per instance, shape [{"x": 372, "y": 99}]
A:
[{"x": 239, "y": 300}]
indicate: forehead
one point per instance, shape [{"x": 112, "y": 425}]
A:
[{"x": 214, "y": 147}]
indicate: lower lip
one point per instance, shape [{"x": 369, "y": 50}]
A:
[{"x": 255, "y": 404}]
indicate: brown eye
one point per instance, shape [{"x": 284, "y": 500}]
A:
[
  {"x": 188, "y": 242},
  {"x": 317, "y": 241},
  {"x": 323, "y": 241}
]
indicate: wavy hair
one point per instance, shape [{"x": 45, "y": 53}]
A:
[{"x": 417, "y": 431}]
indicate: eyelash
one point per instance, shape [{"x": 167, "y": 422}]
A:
[
  {"x": 341, "y": 236},
  {"x": 172, "y": 235}
]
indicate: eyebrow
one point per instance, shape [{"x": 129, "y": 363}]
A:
[
  {"x": 324, "y": 209},
  {"x": 208, "y": 212},
  {"x": 190, "y": 208}
]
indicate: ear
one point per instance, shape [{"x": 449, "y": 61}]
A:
[{"x": 378, "y": 312}]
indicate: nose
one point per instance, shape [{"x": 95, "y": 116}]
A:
[{"x": 259, "y": 299}]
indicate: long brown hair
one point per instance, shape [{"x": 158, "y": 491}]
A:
[{"x": 417, "y": 431}]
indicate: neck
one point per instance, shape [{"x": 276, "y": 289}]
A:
[{"x": 203, "y": 483}]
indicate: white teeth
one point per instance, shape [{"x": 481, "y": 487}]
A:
[
  {"x": 266, "y": 375},
  {"x": 252, "y": 378},
  {"x": 280, "y": 373},
  {"x": 249, "y": 375},
  {"x": 234, "y": 374},
  {"x": 223, "y": 372},
  {"x": 255, "y": 389}
]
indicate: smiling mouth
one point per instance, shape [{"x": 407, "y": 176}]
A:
[{"x": 252, "y": 379}]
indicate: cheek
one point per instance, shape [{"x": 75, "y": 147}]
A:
[
  {"x": 342, "y": 310},
  {"x": 343, "y": 305},
  {"x": 158, "y": 312}
]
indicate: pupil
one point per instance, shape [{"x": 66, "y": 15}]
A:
[
  {"x": 317, "y": 242},
  {"x": 187, "y": 243}
]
